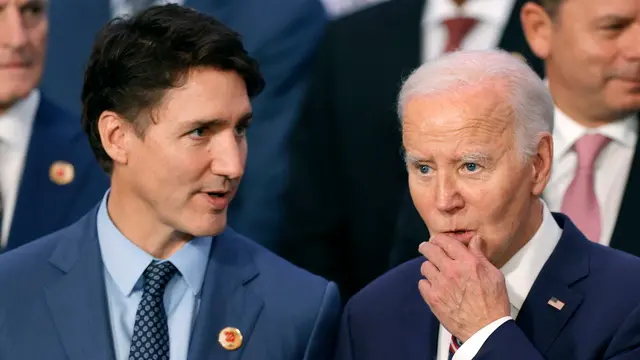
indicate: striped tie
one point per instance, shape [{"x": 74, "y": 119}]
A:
[{"x": 454, "y": 345}]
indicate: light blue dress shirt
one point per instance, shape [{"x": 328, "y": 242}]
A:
[{"x": 124, "y": 264}]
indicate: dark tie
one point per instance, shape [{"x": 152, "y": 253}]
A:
[
  {"x": 1, "y": 212},
  {"x": 457, "y": 28},
  {"x": 454, "y": 345},
  {"x": 150, "y": 338}
]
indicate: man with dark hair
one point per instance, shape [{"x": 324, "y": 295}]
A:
[
  {"x": 591, "y": 53},
  {"x": 48, "y": 177},
  {"x": 153, "y": 271}
]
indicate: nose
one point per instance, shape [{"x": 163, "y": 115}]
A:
[
  {"x": 448, "y": 198},
  {"x": 13, "y": 32},
  {"x": 228, "y": 157}
]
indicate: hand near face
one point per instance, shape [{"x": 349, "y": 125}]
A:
[{"x": 462, "y": 288}]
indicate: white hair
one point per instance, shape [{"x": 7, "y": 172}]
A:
[{"x": 528, "y": 95}]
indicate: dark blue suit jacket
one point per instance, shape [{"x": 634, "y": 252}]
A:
[
  {"x": 54, "y": 306},
  {"x": 600, "y": 287},
  {"x": 281, "y": 34},
  {"x": 43, "y": 206}
]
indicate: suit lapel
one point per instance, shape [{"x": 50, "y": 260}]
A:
[
  {"x": 226, "y": 300},
  {"x": 38, "y": 196},
  {"x": 568, "y": 264},
  {"x": 624, "y": 237},
  {"x": 77, "y": 301}
]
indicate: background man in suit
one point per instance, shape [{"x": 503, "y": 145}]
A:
[
  {"x": 592, "y": 64},
  {"x": 166, "y": 106},
  {"x": 592, "y": 57},
  {"x": 282, "y": 35},
  {"x": 48, "y": 176},
  {"x": 347, "y": 175},
  {"x": 505, "y": 278}
]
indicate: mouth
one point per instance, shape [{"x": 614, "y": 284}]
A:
[
  {"x": 462, "y": 235},
  {"x": 219, "y": 200}
]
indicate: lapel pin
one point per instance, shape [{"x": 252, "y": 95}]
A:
[
  {"x": 556, "y": 303},
  {"x": 230, "y": 338},
  {"x": 61, "y": 172}
]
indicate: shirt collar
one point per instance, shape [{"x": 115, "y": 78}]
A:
[
  {"x": 567, "y": 131},
  {"x": 523, "y": 268},
  {"x": 486, "y": 11},
  {"x": 125, "y": 262},
  {"x": 16, "y": 123}
]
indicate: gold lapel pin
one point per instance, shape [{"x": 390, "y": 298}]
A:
[
  {"x": 230, "y": 338},
  {"x": 557, "y": 304},
  {"x": 61, "y": 172}
]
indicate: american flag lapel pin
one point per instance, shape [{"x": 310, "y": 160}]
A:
[{"x": 556, "y": 303}]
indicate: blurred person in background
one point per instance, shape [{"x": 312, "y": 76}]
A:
[
  {"x": 591, "y": 50},
  {"x": 591, "y": 53},
  {"x": 153, "y": 271},
  {"x": 281, "y": 34},
  {"x": 347, "y": 198},
  {"x": 48, "y": 175}
]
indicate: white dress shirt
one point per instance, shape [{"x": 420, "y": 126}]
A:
[
  {"x": 123, "y": 7},
  {"x": 611, "y": 167},
  {"x": 520, "y": 272},
  {"x": 15, "y": 131},
  {"x": 492, "y": 16}
]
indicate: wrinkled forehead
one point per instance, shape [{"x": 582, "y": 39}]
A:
[{"x": 458, "y": 122}]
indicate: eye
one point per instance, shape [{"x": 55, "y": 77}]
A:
[
  {"x": 197, "y": 133},
  {"x": 241, "y": 130},
  {"x": 471, "y": 167},
  {"x": 424, "y": 169}
]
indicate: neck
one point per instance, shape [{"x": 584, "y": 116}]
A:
[
  {"x": 135, "y": 219},
  {"x": 586, "y": 110},
  {"x": 524, "y": 233}
]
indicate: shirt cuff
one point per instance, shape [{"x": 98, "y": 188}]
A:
[{"x": 471, "y": 347}]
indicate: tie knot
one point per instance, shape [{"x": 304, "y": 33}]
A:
[
  {"x": 588, "y": 147},
  {"x": 157, "y": 275}
]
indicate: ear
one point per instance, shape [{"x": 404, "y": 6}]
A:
[
  {"x": 114, "y": 133},
  {"x": 542, "y": 162},
  {"x": 537, "y": 26}
]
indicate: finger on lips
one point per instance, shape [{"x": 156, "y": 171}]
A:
[{"x": 452, "y": 247}]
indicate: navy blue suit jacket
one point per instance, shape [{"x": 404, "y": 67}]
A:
[
  {"x": 600, "y": 287},
  {"x": 281, "y": 34},
  {"x": 42, "y": 205},
  {"x": 54, "y": 306}
]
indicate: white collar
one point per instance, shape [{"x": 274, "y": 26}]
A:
[
  {"x": 486, "y": 11},
  {"x": 16, "y": 123},
  {"x": 523, "y": 268},
  {"x": 567, "y": 131}
]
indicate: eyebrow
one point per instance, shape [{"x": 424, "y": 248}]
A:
[
  {"x": 612, "y": 18},
  {"x": 197, "y": 123},
  {"x": 475, "y": 157}
]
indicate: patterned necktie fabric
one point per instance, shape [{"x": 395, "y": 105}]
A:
[
  {"x": 150, "y": 338},
  {"x": 454, "y": 345}
]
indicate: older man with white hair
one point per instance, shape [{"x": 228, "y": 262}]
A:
[{"x": 505, "y": 277}]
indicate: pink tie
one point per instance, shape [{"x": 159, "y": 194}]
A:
[
  {"x": 458, "y": 28},
  {"x": 580, "y": 202}
]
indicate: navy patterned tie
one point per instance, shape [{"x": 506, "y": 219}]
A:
[
  {"x": 454, "y": 345},
  {"x": 150, "y": 338}
]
